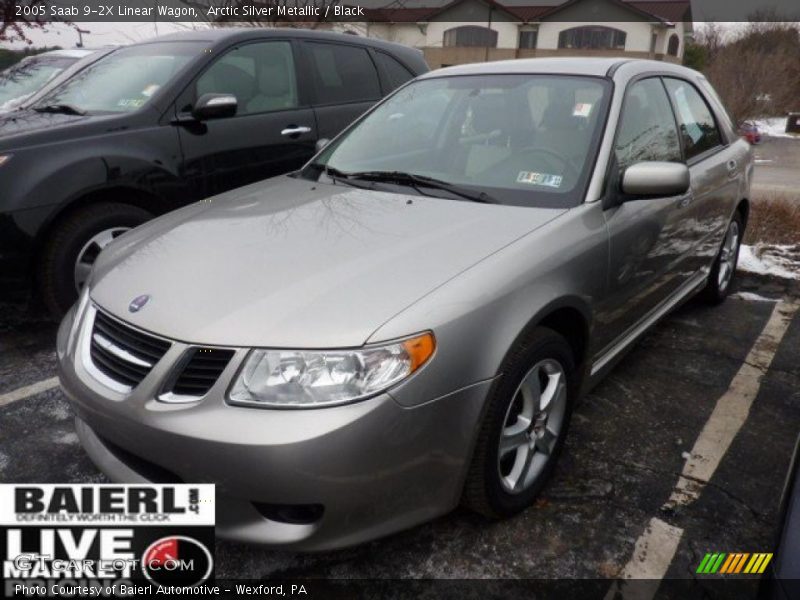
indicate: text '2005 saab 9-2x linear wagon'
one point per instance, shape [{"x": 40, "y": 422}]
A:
[{"x": 406, "y": 323}]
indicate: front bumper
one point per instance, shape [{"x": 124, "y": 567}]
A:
[{"x": 375, "y": 466}]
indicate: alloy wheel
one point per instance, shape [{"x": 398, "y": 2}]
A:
[
  {"x": 532, "y": 426},
  {"x": 728, "y": 256},
  {"x": 91, "y": 249}
]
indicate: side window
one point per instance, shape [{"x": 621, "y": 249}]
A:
[
  {"x": 342, "y": 74},
  {"x": 698, "y": 128},
  {"x": 396, "y": 72},
  {"x": 647, "y": 128},
  {"x": 261, "y": 76}
]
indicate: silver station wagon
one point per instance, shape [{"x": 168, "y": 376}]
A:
[{"x": 406, "y": 323}]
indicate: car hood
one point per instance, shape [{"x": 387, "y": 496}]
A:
[
  {"x": 26, "y": 127},
  {"x": 291, "y": 263}
]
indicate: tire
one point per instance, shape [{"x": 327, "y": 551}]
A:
[
  {"x": 83, "y": 232},
  {"x": 491, "y": 488},
  {"x": 723, "y": 271}
]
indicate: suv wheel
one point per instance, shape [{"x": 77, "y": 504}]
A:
[
  {"x": 723, "y": 272},
  {"x": 524, "y": 427},
  {"x": 73, "y": 247}
]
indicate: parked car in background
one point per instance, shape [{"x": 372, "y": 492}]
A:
[
  {"x": 749, "y": 131},
  {"x": 22, "y": 80},
  {"x": 407, "y": 322},
  {"x": 67, "y": 73},
  {"x": 153, "y": 126}
]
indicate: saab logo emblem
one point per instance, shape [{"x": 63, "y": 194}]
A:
[
  {"x": 177, "y": 560},
  {"x": 138, "y": 303},
  {"x": 734, "y": 563}
]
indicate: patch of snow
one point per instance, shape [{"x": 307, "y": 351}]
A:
[
  {"x": 774, "y": 127},
  {"x": 771, "y": 259},
  {"x": 751, "y": 297}
]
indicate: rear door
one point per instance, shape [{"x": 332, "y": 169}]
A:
[
  {"x": 344, "y": 83},
  {"x": 647, "y": 237},
  {"x": 716, "y": 168},
  {"x": 274, "y": 130}
]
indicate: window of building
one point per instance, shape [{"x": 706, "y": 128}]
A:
[
  {"x": 673, "y": 45},
  {"x": 647, "y": 127},
  {"x": 527, "y": 39},
  {"x": 698, "y": 126},
  {"x": 592, "y": 38},
  {"x": 470, "y": 36},
  {"x": 343, "y": 74}
]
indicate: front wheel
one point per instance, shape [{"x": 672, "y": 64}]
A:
[
  {"x": 524, "y": 427},
  {"x": 73, "y": 247},
  {"x": 723, "y": 272}
]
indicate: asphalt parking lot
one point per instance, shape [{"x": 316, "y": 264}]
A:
[
  {"x": 777, "y": 159},
  {"x": 605, "y": 514}
]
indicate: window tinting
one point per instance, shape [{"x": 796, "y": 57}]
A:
[
  {"x": 647, "y": 127},
  {"x": 342, "y": 74},
  {"x": 261, "y": 76},
  {"x": 698, "y": 128},
  {"x": 396, "y": 72},
  {"x": 470, "y": 36}
]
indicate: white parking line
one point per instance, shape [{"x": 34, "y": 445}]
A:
[
  {"x": 731, "y": 410},
  {"x": 655, "y": 548},
  {"x": 28, "y": 390},
  {"x": 651, "y": 558}
]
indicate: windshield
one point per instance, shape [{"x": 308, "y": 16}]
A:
[
  {"x": 25, "y": 78},
  {"x": 519, "y": 139},
  {"x": 125, "y": 80}
]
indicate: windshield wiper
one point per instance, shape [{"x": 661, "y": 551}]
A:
[
  {"x": 337, "y": 175},
  {"x": 64, "y": 109},
  {"x": 415, "y": 180}
]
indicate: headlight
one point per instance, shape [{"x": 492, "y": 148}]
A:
[
  {"x": 314, "y": 378},
  {"x": 4, "y": 158}
]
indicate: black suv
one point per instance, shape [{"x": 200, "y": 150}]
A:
[{"x": 160, "y": 124}]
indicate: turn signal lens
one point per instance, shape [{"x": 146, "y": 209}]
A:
[{"x": 420, "y": 349}]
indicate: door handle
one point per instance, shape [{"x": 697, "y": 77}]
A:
[{"x": 293, "y": 130}]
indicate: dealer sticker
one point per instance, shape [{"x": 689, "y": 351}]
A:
[
  {"x": 545, "y": 179},
  {"x": 107, "y": 539}
]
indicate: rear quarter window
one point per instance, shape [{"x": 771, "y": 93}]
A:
[
  {"x": 395, "y": 72},
  {"x": 342, "y": 74}
]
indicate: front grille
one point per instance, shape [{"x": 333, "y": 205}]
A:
[
  {"x": 201, "y": 371},
  {"x": 122, "y": 353}
]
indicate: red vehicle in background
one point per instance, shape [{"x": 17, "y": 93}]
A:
[{"x": 749, "y": 131}]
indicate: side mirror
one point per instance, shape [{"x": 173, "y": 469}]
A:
[
  {"x": 321, "y": 143},
  {"x": 656, "y": 179},
  {"x": 215, "y": 106}
]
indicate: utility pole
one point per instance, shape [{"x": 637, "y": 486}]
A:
[
  {"x": 489, "y": 35},
  {"x": 80, "y": 35}
]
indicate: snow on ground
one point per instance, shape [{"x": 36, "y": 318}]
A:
[
  {"x": 771, "y": 259},
  {"x": 775, "y": 127},
  {"x": 751, "y": 297}
]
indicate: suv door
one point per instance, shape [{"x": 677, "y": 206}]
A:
[
  {"x": 647, "y": 240},
  {"x": 716, "y": 170},
  {"x": 344, "y": 82},
  {"x": 273, "y": 131}
]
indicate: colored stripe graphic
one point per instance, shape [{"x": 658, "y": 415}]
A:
[{"x": 735, "y": 562}]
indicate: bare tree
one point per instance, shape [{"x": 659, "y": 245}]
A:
[
  {"x": 19, "y": 18},
  {"x": 308, "y": 14},
  {"x": 757, "y": 71}
]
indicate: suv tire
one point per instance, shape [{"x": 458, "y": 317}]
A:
[{"x": 73, "y": 236}]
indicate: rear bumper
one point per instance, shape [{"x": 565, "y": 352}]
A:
[{"x": 375, "y": 466}]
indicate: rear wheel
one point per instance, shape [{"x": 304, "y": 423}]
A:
[
  {"x": 524, "y": 427},
  {"x": 723, "y": 272},
  {"x": 73, "y": 246}
]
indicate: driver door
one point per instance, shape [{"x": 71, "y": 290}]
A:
[
  {"x": 647, "y": 237},
  {"x": 273, "y": 132}
]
